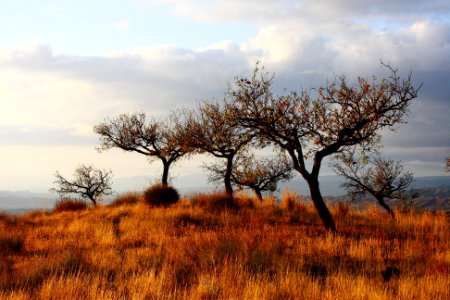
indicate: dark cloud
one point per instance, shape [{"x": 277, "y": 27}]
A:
[{"x": 436, "y": 85}]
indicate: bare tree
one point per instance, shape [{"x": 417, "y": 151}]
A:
[
  {"x": 88, "y": 182},
  {"x": 262, "y": 174},
  {"x": 382, "y": 178},
  {"x": 258, "y": 175},
  {"x": 213, "y": 129},
  {"x": 154, "y": 139},
  {"x": 321, "y": 122},
  {"x": 447, "y": 167}
]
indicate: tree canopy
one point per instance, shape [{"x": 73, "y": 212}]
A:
[
  {"x": 259, "y": 175},
  {"x": 152, "y": 138},
  {"x": 380, "y": 177},
  {"x": 313, "y": 124},
  {"x": 213, "y": 129},
  {"x": 262, "y": 174}
]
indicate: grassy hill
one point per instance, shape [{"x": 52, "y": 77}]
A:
[{"x": 208, "y": 248}]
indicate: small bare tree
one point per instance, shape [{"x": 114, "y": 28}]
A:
[
  {"x": 382, "y": 178},
  {"x": 88, "y": 182},
  {"x": 213, "y": 129},
  {"x": 447, "y": 167},
  {"x": 154, "y": 139},
  {"x": 258, "y": 175}
]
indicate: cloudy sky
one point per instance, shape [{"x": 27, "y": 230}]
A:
[{"x": 67, "y": 65}]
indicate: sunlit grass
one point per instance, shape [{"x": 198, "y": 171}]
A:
[{"x": 246, "y": 249}]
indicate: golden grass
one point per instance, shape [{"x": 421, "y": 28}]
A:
[
  {"x": 240, "y": 251},
  {"x": 128, "y": 198}
]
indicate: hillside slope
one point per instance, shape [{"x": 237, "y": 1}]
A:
[{"x": 211, "y": 249}]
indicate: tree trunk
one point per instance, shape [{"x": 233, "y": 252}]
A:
[
  {"x": 320, "y": 205},
  {"x": 385, "y": 206},
  {"x": 258, "y": 193},
  {"x": 92, "y": 198},
  {"x": 227, "y": 177},
  {"x": 165, "y": 175}
]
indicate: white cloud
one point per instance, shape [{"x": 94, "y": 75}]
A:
[
  {"x": 41, "y": 88},
  {"x": 55, "y": 99}
]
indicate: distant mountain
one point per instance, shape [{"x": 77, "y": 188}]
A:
[
  {"x": 17, "y": 202},
  {"x": 432, "y": 198},
  {"x": 431, "y": 181},
  {"x": 434, "y": 192},
  {"x": 330, "y": 185}
]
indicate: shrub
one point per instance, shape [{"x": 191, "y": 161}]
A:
[
  {"x": 185, "y": 220},
  {"x": 342, "y": 209},
  {"x": 7, "y": 219},
  {"x": 288, "y": 200},
  {"x": 69, "y": 204},
  {"x": 11, "y": 245},
  {"x": 4, "y": 216},
  {"x": 161, "y": 195},
  {"x": 215, "y": 202},
  {"x": 203, "y": 220},
  {"x": 129, "y": 198},
  {"x": 245, "y": 201}
]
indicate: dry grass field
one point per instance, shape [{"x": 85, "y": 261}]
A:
[{"x": 208, "y": 248}]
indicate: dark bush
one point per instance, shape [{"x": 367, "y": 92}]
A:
[
  {"x": 185, "y": 220},
  {"x": 68, "y": 204},
  {"x": 161, "y": 195},
  {"x": 11, "y": 245}
]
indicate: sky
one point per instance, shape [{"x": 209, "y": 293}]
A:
[{"x": 65, "y": 66}]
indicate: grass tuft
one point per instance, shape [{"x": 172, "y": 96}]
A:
[
  {"x": 342, "y": 209},
  {"x": 289, "y": 200},
  {"x": 67, "y": 264},
  {"x": 259, "y": 261},
  {"x": 128, "y": 198},
  {"x": 214, "y": 203},
  {"x": 69, "y": 204}
]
